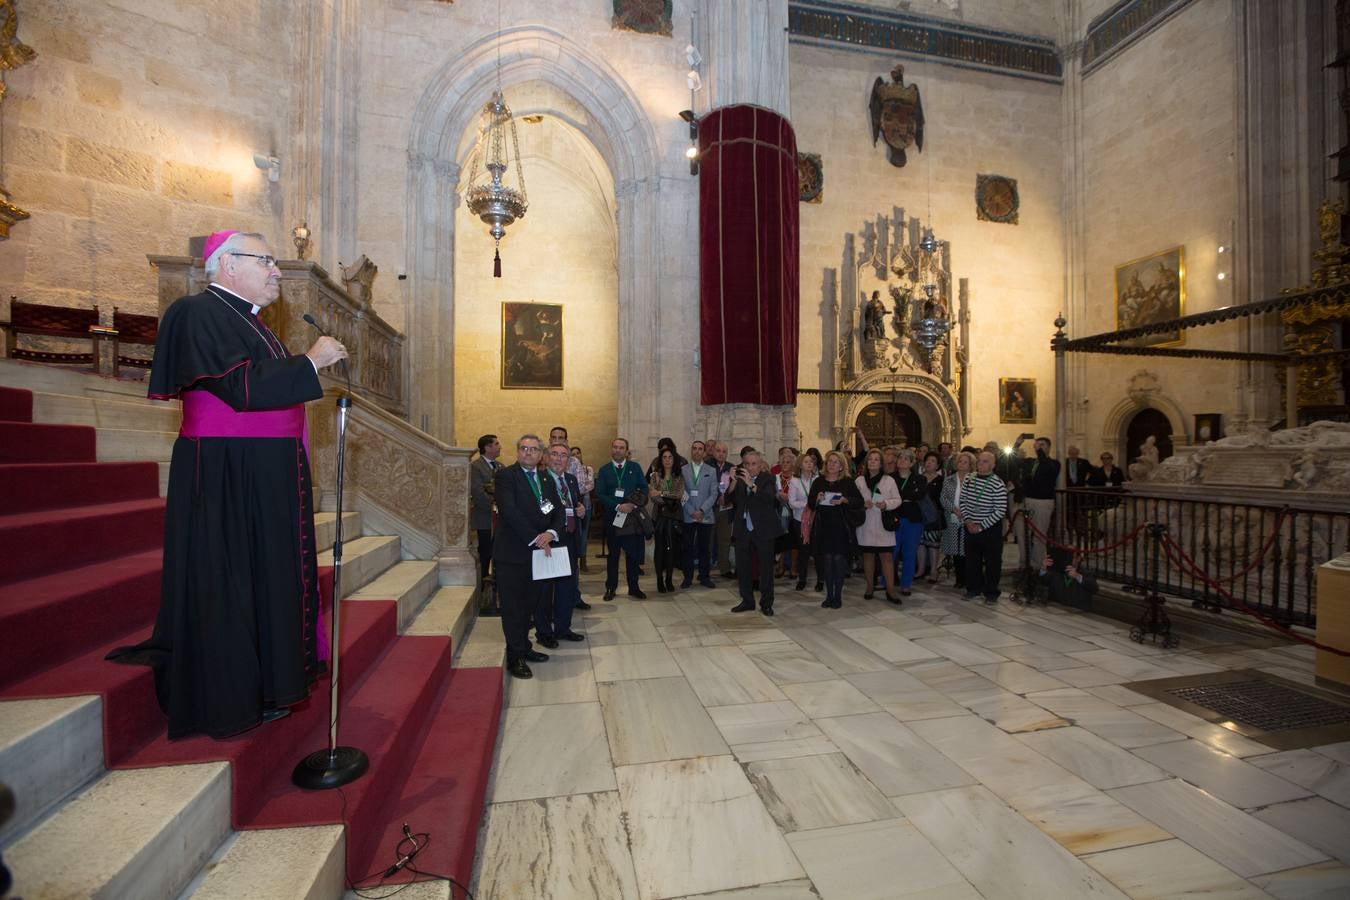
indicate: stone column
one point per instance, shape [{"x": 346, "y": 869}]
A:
[{"x": 745, "y": 48}]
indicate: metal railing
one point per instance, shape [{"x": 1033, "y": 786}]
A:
[{"x": 1265, "y": 555}]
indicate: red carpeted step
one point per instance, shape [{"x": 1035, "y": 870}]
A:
[
  {"x": 48, "y": 541},
  {"x": 16, "y": 405},
  {"x": 22, "y": 442},
  {"x": 446, "y": 784},
  {"x": 63, "y": 614},
  {"x": 28, "y": 487}
]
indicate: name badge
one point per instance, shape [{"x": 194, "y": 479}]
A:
[
  {"x": 693, "y": 494},
  {"x": 546, "y": 507},
  {"x": 619, "y": 494},
  {"x": 571, "y": 511}
]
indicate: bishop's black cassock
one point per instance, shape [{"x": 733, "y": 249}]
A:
[{"x": 239, "y": 602}]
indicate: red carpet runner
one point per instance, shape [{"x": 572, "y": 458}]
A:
[{"x": 87, "y": 580}]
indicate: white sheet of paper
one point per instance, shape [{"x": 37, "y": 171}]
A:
[
  {"x": 831, "y": 496},
  {"x": 555, "y": 566},
  {"x": 619, "y": 519}
]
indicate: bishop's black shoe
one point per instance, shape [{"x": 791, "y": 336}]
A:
[
  {"x": 535, "y": 656},
  {"x": 271, "y": 715},
  {"x": 519, "y": 669}
]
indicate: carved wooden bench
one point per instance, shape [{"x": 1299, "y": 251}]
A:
[
  {"x": 133, "y": 329},
  {"x": 53, "y": 321}
]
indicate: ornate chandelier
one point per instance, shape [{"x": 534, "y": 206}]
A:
[
  {"x": 932, "y": 327},
  {"x": 488, "y": 196}
]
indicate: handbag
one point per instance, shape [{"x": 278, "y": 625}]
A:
[
  {"x": 931, "y": 517},
  {"x": 890, "y": 519},
  {"x": 645, "y": 522}
]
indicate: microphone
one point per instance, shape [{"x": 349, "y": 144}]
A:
[{"x": 346, "y": 370}]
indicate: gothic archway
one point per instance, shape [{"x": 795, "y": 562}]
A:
[
  {"x": 1145, "y": 424},
  {"x": 884, "y": 424},
  {"x": 934, "y": 406}
]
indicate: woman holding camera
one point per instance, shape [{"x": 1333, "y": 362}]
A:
[
  {"x": 833, "y": 499},
  {"x": 875, "y": 540},
  {"x": 667, "y": 491}
]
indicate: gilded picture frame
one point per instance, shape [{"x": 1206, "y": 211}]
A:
[
  {"x": 1017, "y": 401},
  {"x": 532, "y": 346},
  {"x": 1149, "y": 290}
]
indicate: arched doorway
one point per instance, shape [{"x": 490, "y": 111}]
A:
[
  {"x": 890, "y": 423},
  {"x": 1146, "y": 423}
]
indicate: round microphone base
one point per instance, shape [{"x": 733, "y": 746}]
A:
[{"x": 324, "y": 770}]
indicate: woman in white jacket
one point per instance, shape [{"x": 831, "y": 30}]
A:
[{"x": 875, "y": 541}]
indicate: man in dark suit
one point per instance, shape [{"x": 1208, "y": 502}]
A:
[
  {"x": 481, "y": 472},
  {"x": 558, "y": 596},
  {"x": 529, "y": 516},
  {"x": 621, "y": 489},
  {"x": 755, "y": 525}
]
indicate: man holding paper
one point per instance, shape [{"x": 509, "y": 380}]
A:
[
  {"x": 530, "y": 518},
  {"x": 558, "y": 596}
]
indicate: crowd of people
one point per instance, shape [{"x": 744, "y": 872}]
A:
[{"x": 892, "y": 514}]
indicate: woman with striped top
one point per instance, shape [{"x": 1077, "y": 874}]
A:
[{"x": 984, "y": 503}]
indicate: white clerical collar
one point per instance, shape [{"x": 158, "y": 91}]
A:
[{"x": 255, "y": 306}]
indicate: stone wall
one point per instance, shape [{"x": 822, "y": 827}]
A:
[
  {"x": 976, "y": 123},
  {"x": 133, "y": 129}
]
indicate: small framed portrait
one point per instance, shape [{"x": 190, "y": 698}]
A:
[
  {"x": 1208, "y": 427},
  {"x": 1151, "y": 290},
  {"x": 1017, "y": 401},
  {"x": 532, "y": 346}
]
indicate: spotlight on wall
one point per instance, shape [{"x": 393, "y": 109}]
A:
[
  {"x": 691, "y": 152},
  {"x": 269, "y": 164}
]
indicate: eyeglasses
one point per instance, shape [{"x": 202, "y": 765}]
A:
[
  {"x": 530, "y": 449},
  {"x": 267, "y": 261}
]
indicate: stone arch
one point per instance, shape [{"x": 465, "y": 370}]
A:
[
  {"x": 929, "y": 397},
  {"x": 1118, "y": 420},
  {"x": 615, "y": 124}
]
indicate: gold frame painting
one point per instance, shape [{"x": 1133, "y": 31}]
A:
[
  {"x": 532, "y": 346},
  {"x": 1020, "y": 410},
  {"x": 1152, "y": 289}
]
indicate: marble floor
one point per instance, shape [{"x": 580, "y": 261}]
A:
[{"x": 941, "y": 749}]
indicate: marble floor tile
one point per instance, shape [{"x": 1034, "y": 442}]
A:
[
  {"x": 725, "y": 676},
  {"x": 1171, "y": 869},
  {"x": 756, "y": 723},
  {"x": 1215, "y": 735},
  {"x": 755, "y": 635},
  {"x": 1131, "y": 667},
  {"x": 1095, "y": 760},
  {"x": 1018, "y": 678},
  {"x": 821, "y": 699},
  {"x": 701, "y": 633},
  {"x": 653, "y": 719},
  {"x": 697, "y": 825},
  {"x": 1122, "y": 727},
  {"x": 904, "y": 696},
  {"x": 1339, "y": 752},
  {"x": 950, "y": 679},
  {"x": 1189, "y": 665},
  {"x": 906, "y": 625},
  {"x": 1226, "y": 777},
  {"x": 1089, "y": 823},
  {"x": 1010, "y": 712},
  {"x": 1324, "y": 881},
  {"x": 822, "y": 791},
  {"x": 1121, "y": 643},
  {"x": 841, "y": 653},
  {"x": 557, "y": 849},
  {"x": 810, "y": 746},
  {"x": 1045, "y": 637},
  {"x": 888, "y": 645},
  {"x": 563, "y": 679},
  {"x": 746, "y": 621},
  {"x": 877, "y": 861},
  {"x": 960, "y": 651},
  {"x": 1315, "y": 821},
  {"x": 664, "y": 613},
  {"x": 1087, "y": 677},
  {"x": 577, "y": 760},
  {"x": 1307, "y": 768},
  {"x": 621, "y": 662},
  {"x": 999, "y": 852},
  {"x": 1119, "y": 695},
  {"x": 891, "y": 755},
  {"x": 781, "y": 890},
  {"x": 1041, "y": 658},
  {"x": 1223, "y": 832},
  {"x": 789, "y": 666},
  {"x": 620, "y": 629},
  {"x": 983, "y": 635}
]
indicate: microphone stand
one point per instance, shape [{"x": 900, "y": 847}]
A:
[{"x": 335, "y": 766}]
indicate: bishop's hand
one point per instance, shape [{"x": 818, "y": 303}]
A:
[{"x": 326, "y": 351}]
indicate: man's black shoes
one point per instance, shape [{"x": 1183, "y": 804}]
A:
[
  {"x": 535, "y": 656},
  {"x": 550, "y": 643},
  {"x": 609, "y": 594},
  {"x": 744, "y": 606},
  {"x": 637, "y": 595},
  {"x": 571, "y": 636},
  {"x": 519, "y": 669},
  {"x": 582, "y": 604}
]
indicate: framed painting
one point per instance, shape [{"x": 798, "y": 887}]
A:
[
  {"x": 1017, "y": 401},
  {"x": 1152, "y": 290},
  {"x": 1208, "y": 427},
  {"x": 532, "y": 346}
]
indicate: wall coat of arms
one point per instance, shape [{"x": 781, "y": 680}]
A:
[{"x": 897, "y": 115}]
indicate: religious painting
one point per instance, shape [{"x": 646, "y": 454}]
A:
[
  {"x": 1152, "y": 290},
  {"x": 996, "y": 199},
  {"x": 532, "y": 346},
  {"x": 810, "y": 178},
  {"x": 897, "y": 115},
  {"x": 643, "y": 16},
  {"x": 1208, "y": 427},
  {"x": 1017, "y": 401}
]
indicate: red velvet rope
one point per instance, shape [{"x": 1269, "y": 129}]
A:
[
  {"x": 1051, "y": 542},
  {"x": 1178, "y": 557}
]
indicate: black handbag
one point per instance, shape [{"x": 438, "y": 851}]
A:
[
  {"x": 890, "y": 519},
  {"x": 645, "y": 522},
  {"x": 929, "y": 510}
]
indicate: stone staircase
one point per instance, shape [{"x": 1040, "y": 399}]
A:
[{"x": 163, "y": 831}]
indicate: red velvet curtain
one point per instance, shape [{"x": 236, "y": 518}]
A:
[{"x": 748, "y": 249}]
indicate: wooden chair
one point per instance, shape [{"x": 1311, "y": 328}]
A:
[{"x": 53, "y": 321}]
